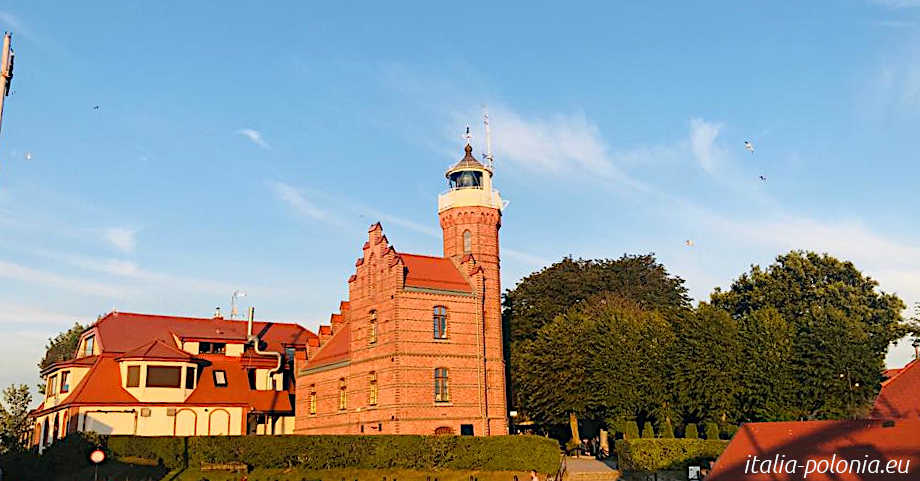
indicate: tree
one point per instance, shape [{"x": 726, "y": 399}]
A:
[
  {"x": 840, "y": 325},
  {"x": 647, "y": 431},
  {"x": 60, "y": 348},
  {"x": 705, "y": 366},
  {"x": 604, "y": 359},
  {"x": 765, "y": 386},
  {"x": 14, "y": 423},
  {"x": 712, "y": 431},
  {"x": 543, "y": 295},
  {"x": 665, "y": 430},
  {"x": 690, "y": 431}
]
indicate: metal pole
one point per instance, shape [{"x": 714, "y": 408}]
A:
[{"x": 5, "y": 71}]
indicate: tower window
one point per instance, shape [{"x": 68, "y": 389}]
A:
[
  {"x": 439, "y": 317},
  {"x": 343, "y": 394},
  {"x": 441, "y": 392},
  {"x": 313, "y": 399},
  {"x": 372, "y": 329},
  {"x": 372, "y": 389},
  {"x": 467, "y": 242},
  {"x": 466, "y": 179}
]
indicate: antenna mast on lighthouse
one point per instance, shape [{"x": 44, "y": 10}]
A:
[{"x": 485, "y": 121}]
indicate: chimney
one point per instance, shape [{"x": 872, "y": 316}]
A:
[{"x": 217, "y": 313}]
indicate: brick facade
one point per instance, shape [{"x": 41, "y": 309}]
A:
[{"x": 396, "y": 294}]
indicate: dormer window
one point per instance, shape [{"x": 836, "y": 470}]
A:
[
  {"x": 220, "y": 378},
  {"x": 212, "y": 347},
  {"x": 52, "y": 383},
  {"x": 65, "y": 385},
  {"x": 89, "y": 345}
]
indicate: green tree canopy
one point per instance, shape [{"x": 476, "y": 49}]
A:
[
  {"x": 62, "y": 347},
  {"x": 545, "y": 294},
  {"x": 831, "y": 325},
  {"x": 603, "y": 359},
  {"x": 14, "y": 425}
]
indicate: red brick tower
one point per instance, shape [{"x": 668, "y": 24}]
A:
[{"x": 470, "y": 214}]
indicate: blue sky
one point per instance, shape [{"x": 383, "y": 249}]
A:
[{"x": 243, "y": 146}]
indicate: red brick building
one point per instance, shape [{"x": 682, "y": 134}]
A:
[{"x": 417, "y": 348}]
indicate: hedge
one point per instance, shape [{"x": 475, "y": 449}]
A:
[
  {"x": 652, "y": 455},
  {"x": 499, "y": 453}
]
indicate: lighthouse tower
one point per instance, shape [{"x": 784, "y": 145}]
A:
[{"x": 470, "y": 213}]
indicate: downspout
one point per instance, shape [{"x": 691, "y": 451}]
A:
[{"x": 255, "y": 343}]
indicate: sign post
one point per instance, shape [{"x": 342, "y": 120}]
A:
[{"x": 97, "y": 457}]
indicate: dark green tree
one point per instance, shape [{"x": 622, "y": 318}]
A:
[
  {"x": 604, "y": 359},
  {"x": 14, "y": 425},
  {"x": 690, "y": 431},
  {"x": 765, "y": 387},
  {"x": 841, "y": 327},
  {"x": 705, "y": 365},
  {"x": 712, "y": 431},
  {"x": 62, "y": 347},
  {"x": 665, "y": 430},
  {"x": 647, "y": 431}
]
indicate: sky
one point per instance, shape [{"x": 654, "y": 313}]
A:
[{"x": 244, "y": 146}]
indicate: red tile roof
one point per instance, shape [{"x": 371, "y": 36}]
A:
[
  {"x": 336, "y": 349},
  {"x": 124, "y": 331},
  {"x": 237, "y": 390},
  {"x": 900, "y": 394},
  {"x": 156, "y": 350},
  {"x": 433, "y": 273},
  {"x": 817, "y": 441},
  {"x": 102, "y": 385},
  {"x": 81, "y": 362}
]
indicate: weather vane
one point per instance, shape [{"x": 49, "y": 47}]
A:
[{"x": 468, "y": 136}]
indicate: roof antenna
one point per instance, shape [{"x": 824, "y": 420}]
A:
[{"x": 485, "y": 120}]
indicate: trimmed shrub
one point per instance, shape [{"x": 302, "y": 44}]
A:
[
  {"x": 729, "y": 430},
  {"x": 168, "y": 451},
  {"x": 712, "y": 431},
  {"x": 690, "y": 432},
  {"x": 630, "y": 430},
  {"x": 652, "y": 455},
  {"x": 665, "y": 431},
  {"x": 647, "y": 431}
]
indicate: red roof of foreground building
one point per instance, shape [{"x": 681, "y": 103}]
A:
[
  {"x": 336, "y": 349},
  {"x": 817, "y": 441},
  {"x": 237, "y": 390},
  {"x": 156, "y": 350},
  {"x": 900, "y": 394},
  {"x": 433, "y": 273},
  {"x": 101, "y": 385}
]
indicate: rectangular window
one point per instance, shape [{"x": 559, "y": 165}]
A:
[
  {"x": 65, "y": 385},
  {"x": 313, "y": 399},
  {"x": 372, "y": 329},
  {"x": 52, "y": 384},
  {"x": 164, "y": 376},
  {"x": 441, "y": 392},
  {"x": 89, "y": 346},
  {"x": 343, "y": 395},
  {"x": 440, "y": 322},
  {"x": 189, "y": 378},
  {"x": 220, "y": 378},
  {"x": 134, "y": 376},
  {"x": 372, "y": 390},
  {"x": 212, "y": 347}
]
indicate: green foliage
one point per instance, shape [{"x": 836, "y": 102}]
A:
[
  {"x": 14, "y": 423},
  {"x": 728, "y": 430},
  {"x": 603, "y": 359},
  {"x": 766, "y": 389},
  {"x": 499, "y": 453},
  {"x": 838, "y": 328},
  {"x": 652, "y": 455},
  {"x": 630, "y": 430},
  {"x": 647, "y": 431},
  {"x": 62, "y": 347},
  {"x": 712, "y": 431},
  {"x": 690, "y": 432},
  {"x": 665, "y": 430}
]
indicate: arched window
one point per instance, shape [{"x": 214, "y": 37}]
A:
[
  {"x": 56, "y": 433},
  {"x": 372, "y": 329},
  {"x": 467, "y": 242},
  {"x": 439, "y": 316},
  {"x": 441, "y": 388},
  {"x": 372, "y": 389},
  {"x": 343, "y": 394},
  {"x": 313, "y": 399}
]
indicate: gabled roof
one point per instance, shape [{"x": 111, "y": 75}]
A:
[
  {"x": 429, "y": 272},
  {"x": 156, "y": 350},
  {"x": 336, "y": 349},
  {"x": 818, "y": 440},
  {"x": 102, "y": 384},
  {"x": 79, "y": 362},
  {"x": 900, "y": 394}
]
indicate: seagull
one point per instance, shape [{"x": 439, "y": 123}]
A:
[
  {"x": 749, "y": 146},
  {"x": 762, "y": 178},
  {"x": 688, "y": 243},
  {"x": 95, "y": 107},
  {"x": 28, "y": 155}
]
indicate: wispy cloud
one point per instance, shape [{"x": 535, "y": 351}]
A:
[
  {"x": 297, "y": 200},
  {"x": 255, "y": 136},
  {"x": 703, "y": 136},
  {"x": 122, "y": 238},
  {"x": 10, "y": 270},
  {"x": 15, "y": 313}
]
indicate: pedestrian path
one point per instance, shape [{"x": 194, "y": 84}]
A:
[{"x": 589, "y": 469}]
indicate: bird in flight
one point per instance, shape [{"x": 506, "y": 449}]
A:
[
  {"x": 95, "y": 107},
  {"x": 748, "y": 146},
  {"x": 763, "y": 179},
  {"x": 688, "y": 243},
  {"x": 28, "y": 155}
]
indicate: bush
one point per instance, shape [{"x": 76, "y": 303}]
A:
[
  {"x": 630, "y": 429},
  {"x": 652, "y": 455},
  {"x": 647, "y": 431},
  {"x": 168, "y": 451},
  {"x": 690, "y": 432},
  {"x": 712, "y": 431},
  {"x": 665, "y": 431},
  {"x": 729, "y": 430}
]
